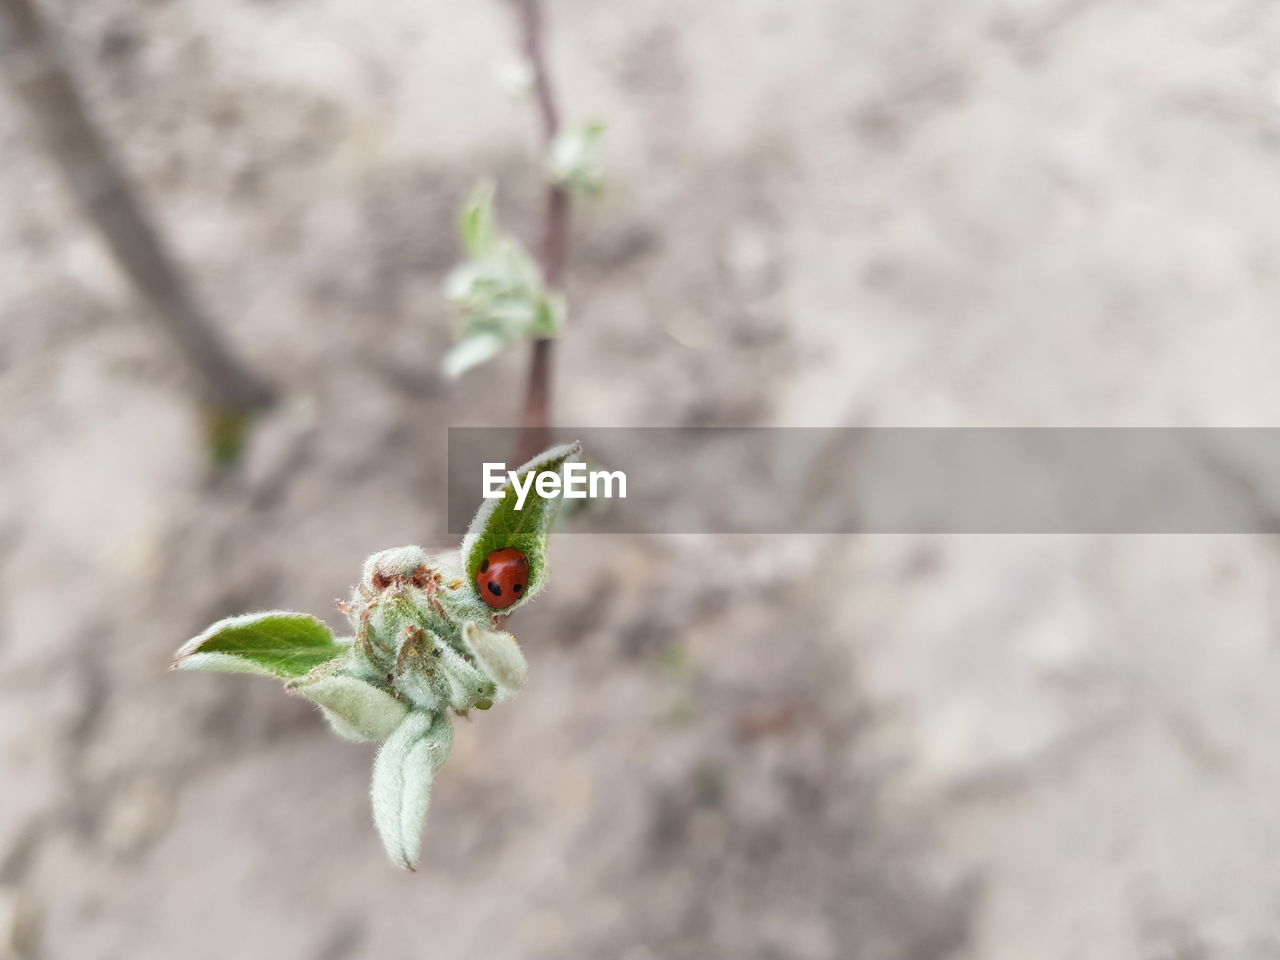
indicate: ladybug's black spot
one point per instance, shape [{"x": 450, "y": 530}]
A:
[
  {"x": 494, "y": 588},
  {"x": 518, "y": 587},
  {"x": 484, "y": 567}
]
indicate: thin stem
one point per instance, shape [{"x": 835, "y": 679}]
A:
[
  {"x": 531, "y": 42},
  {"x": 553, "y": 252},
  {"x": 99, "y": 185},
  {"x": 535, "y": 422}
]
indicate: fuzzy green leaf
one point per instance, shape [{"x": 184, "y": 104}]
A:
[
  {"x": 499, "y": 525},
  {"x": 498, "y": 655},
  {"x": 275, "y": 643},
  {"x": 402, "y": 776},
  {"x": 356, "y": 709}
]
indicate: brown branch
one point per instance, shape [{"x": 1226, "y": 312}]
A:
[
  {"x": 531, "y": 42},
  {"x": 97, "y": 181},
  {"x": 553, "y": 252}
]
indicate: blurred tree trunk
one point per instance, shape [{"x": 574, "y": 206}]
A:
[{"x": 31, "y": 64}]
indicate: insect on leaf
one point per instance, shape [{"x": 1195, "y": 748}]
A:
[{"x": 498, "y": 525}]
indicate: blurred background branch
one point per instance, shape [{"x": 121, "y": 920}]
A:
[{"x": 229, "y": 390}]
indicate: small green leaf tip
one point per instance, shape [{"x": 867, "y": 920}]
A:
[
  {"x": 575, "y": 160},
  {"x": 273, "y": 644},
  {"x": 476, "y": 224},
  {"x": 498, "y": 525}
]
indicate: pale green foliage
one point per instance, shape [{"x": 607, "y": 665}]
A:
[
  {"x": 402, "y": 776},
  {"x": 498, "y": 291},
  {"x": 473, "y": 350},
  {"x": 477, "y": 224},
  {"x": 356, "y": 709},
  {"x": 425, "y": 643},
  {"x": 575, "y": 160},
  {"x": 275, "y": 643}
]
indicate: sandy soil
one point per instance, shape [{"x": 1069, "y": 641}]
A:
[{"x": 1028, "y": 212}]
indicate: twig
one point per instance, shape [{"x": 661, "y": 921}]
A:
[
  {"x": 229, "y": 390},
  {"x": 535, "y": 424}
]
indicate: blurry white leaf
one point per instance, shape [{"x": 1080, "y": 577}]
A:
[
  {"x": 575, "y": 160},
  {"x": 471, "y": 351},
  {"x": 515, "y": 78}
]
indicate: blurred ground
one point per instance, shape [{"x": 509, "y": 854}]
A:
[{"x": 1029, "y": 212}]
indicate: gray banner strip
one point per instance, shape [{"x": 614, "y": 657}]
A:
[{"x": 907, "y": 480}]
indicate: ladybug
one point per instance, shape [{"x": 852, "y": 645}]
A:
[{"x": 502, "y": 578}]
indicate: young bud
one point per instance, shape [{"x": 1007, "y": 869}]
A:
[
  {"x": 423, "y": 645},
  {"x": 498, "y": 655}
]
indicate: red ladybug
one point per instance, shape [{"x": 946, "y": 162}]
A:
[{"x": 502, "y": 577}]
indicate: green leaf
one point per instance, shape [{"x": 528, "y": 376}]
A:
[
  {"x": 499, "y": 291},
  {"x": 471, "y": 351},
  {"x": 356, "y": 709},
  {"x": 276, "y": 643},
  {"x": 498, "y": 655},
  {"x": 476, "y": 223},
  {"x": 499, "y": 525},
  {"x": 575, "y": 160},
  {"x": 402, "y": 776},
  {"x": 550, "y": 317}
]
